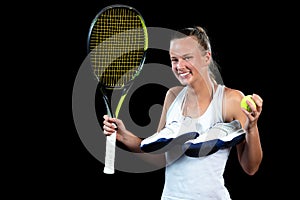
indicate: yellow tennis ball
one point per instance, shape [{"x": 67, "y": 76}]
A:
[{"x": 244, "y": 103}]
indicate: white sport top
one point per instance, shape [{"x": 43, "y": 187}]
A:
[{"x": 188, "y": 178}]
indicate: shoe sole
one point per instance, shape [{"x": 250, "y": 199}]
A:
[
  {"x": 163, "y": 145},
  {"x": 206, "y": 148}
]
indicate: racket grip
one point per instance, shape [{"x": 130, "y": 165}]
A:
[{"x": 109, "y": 167}]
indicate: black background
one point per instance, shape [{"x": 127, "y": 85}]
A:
[{"x": 248, "y": 41}]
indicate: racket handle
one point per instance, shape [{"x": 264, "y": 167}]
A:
[{"x": 109, "y": 167}]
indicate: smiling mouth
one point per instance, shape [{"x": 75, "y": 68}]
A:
[{"x": 184, "y": 74}]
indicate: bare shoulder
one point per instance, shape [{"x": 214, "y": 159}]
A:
[
  {"x": 172, "y": 94},
  {"x": 232, "y": 100},
  {"x": 174, "y": 91},
  {"x": 233, "y": 95},
  {"x": 169, "y": 98}
]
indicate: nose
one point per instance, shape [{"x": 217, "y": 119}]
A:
[{"x": 180, "y": 64}]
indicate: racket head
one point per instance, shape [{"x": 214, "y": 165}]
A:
[{"x": 117, "y": 44}]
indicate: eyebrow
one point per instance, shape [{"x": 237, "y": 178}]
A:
[{"x": 184, "y": 55}]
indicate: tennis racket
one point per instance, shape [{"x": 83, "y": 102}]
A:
[{"x": 117, "y": 44}]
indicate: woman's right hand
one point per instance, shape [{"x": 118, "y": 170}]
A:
[
  {"x": 122, "y": 134},
  {"x": 110, "y": 125}
]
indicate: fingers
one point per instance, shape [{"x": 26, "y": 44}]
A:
[
  {"x": 109, "y": 125},
  {"x": 258, "y": 100},
  {"x": 256, "y": 110}
]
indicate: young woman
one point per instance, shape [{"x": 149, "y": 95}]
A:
[{"x": 204, "y": 102}]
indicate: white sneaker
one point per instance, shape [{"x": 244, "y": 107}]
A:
[
  {"x": 165, "y": 139},
  {"x": 219, "y": 136}
]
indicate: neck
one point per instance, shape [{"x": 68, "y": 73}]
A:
[
  {"x": 197, "y": 101},
  {"x": 205, "y": 89}
]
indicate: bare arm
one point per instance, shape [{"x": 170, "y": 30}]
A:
[
  {"x": 249, "y": 151},
  {"x": 250, "y": 154}
]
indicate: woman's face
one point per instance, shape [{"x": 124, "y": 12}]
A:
[{"x": 189, "y": 62}]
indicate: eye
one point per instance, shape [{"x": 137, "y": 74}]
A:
[
  {"x": 187, "y": 58},
  {"x": 174, "y": 60}
]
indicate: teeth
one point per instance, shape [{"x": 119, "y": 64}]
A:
[{"x": 184, "y": 74}]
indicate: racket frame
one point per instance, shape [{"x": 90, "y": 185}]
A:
[{"x": 111, "y": 139}]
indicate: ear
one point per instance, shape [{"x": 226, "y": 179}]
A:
[{"x": 207, "y": 57}]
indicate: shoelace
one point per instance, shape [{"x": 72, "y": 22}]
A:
[
  {"x": 170, "y": 126},
  {"x": 225, "y": 128}
]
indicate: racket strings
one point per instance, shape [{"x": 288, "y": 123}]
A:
[{"x": 117, "y": 42}]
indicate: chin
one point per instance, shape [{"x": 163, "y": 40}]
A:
[{"x": 184, "y": 82}]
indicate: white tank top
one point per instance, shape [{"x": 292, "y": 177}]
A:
[{"x": 188, "y": 178}]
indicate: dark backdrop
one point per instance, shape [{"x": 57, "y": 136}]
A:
[{"x": 248, "y": 42}]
